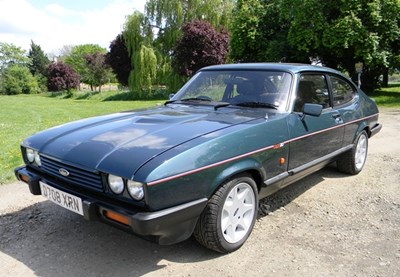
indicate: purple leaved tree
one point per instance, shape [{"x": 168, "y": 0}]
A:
[
  {"x": 200, "y": 45},
  {"x": 61, "y": 77}
]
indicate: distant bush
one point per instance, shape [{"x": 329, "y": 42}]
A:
[
  {"x": 17, "y": 79},
  {"x": 61, "y": 77},
  {"x": 395, "y": 78},
  {"x": 42, "y": 82}
]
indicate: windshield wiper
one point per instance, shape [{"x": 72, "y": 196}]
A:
[
  {"x": 257, "y": 105},
  {"x": 169, "y": 102},
  {"x": 221, "y": 105},
  {"x": 188, "y": 99},
  {"x": 217, "y": 106},
  {"x": 196, "y": 99}
]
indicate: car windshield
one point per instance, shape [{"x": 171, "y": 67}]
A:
[{"x": 254, "y": 89}]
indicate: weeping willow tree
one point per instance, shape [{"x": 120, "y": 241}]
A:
[
  {"x": 167, "y": 17},
  {"x": 138, "y": 39},
  {"x": 147, "y": 68},
  {"x": 151, "y": 37}
]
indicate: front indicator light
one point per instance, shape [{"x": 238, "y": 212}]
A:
[
  {"x": 24, "y": 178},
  {"x": 135, "y": 190},
  {"x": 116, "y": 217},
  {"x": 116, "y": 184}
]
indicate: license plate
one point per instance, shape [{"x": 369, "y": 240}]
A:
[{"x": 62, "y": 198}]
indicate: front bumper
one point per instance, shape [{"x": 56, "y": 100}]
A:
[{"x": 165, "y": 227}]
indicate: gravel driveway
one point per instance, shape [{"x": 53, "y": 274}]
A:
[{"x": 328, "y": 224}]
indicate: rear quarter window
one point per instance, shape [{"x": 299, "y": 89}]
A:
[{"x": 342, "y": 91}]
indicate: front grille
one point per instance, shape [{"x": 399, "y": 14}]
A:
[{"x": 77, "y": 176}]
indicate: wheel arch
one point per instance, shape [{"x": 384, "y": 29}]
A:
[
  {"x": 363, "y": 126},
  {"x": 250, "y": 167}
]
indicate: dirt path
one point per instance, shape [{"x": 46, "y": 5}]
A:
[{"x": 328, "y": 224}]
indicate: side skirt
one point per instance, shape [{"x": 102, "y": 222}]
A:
[{"x": 284, "y": 179}]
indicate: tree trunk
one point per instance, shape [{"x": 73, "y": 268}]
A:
[
  {"x": 385, "y": 81},
  {"x": 370, "y": 80}
]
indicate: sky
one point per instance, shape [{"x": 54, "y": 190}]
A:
[{"x": 53, "y": 24}]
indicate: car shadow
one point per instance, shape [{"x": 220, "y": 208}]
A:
[
  {"x": 52, "y": 241},
  {"x": 286, "y": 195}
]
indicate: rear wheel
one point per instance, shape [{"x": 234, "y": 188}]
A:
[
  {"x": 229, "y": 216},
  {"x": 353, "y": 161}
]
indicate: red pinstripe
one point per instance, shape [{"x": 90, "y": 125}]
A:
[{"x": 252, "y": 152}]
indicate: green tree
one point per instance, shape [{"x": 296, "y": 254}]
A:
[
  {"x": 147, "y": 68},
  {"x": 10, "y": 55},
  {"x": 341, "y": 33},
  {"x": 336, "y": 33},
  {"x": 167, "y": 16},
  {"x": 157, "y": 31},
  {"x": 258, "y": 33},
  {"x": 76, "y": 60},
  {"x": 17, "y": 79},
  {"x": 99, "y": 71},
  {"x": 248, "y": 42},
  {"x": 38, "y": 60},
  {"x": 138, "y": 39},
  {"x": 38, "y": 64}
]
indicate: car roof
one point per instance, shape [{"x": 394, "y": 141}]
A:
[{"x": 288, "y": 67}]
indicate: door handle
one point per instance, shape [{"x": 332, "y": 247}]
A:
[{"x": 338, "y": 118}]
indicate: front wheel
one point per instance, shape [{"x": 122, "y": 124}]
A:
[
  {"x": 229, "y": 216},
  {"x": 353, "y": 161}
]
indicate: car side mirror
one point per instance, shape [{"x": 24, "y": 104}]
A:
[
  {"x": 311, "y": 109},
  {"x": 171, "y": 95}
]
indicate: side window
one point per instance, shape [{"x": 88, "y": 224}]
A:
[
  {"x": 313, "y": 89},
  {"x": 342, "y": 91}
]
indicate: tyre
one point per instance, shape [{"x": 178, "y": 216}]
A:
[
  {"x": 352, "y": 162},
  {"x": 229, "y": 217}
]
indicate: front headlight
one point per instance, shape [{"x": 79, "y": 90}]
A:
[
  {"x": 37, "y": 159},
  {"x": 135, "y": 190},
  {"x": 116, "y": 184},
  {"x": 30, "y": 155},
  {"x": 33, "y": 156}
]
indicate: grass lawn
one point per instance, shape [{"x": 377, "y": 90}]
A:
[
  {"x": 24, "y": 115},
  {"x": 387, "y": 97}
]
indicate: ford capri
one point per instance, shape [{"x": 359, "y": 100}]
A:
[{"x": 199, "y": 164}]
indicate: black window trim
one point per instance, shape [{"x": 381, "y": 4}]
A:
[
  {"x": 330, "y": 88},
  {"x": 327, "y": 81}
]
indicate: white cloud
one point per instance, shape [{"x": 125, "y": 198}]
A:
[
  {"x": 56, "y": 26},
  {"x": 58, "y": 10}
]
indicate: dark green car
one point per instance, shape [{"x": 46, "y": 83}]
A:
[{"x": 200, "y": 163}]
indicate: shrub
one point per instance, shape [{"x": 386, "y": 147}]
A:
[
  {"x": 17, "y": 79},
  {"x": 61, "y": 77}
]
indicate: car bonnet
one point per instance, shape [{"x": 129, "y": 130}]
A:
[{"x": 121, "y": 143}]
